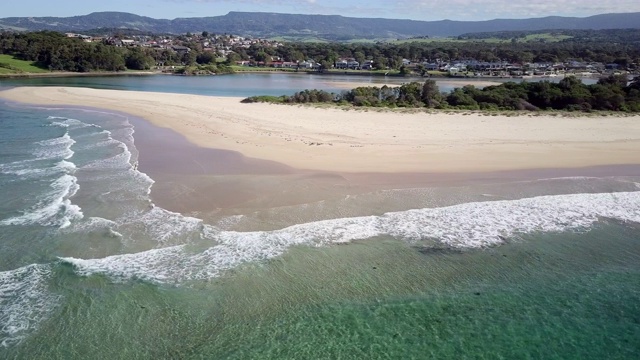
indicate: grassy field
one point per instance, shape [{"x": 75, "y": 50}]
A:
[
  {"x": 548, "y": 37},
  {"x": 301, "y": 38},
  {"x": 11, "y": 65},
  {"x": 541, "y": 37},
  {"x": 239, "y": 68}
]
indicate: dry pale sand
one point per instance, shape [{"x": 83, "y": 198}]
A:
[{"x": 361, "y": 141}]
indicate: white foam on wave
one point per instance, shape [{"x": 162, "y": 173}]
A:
[
  {"x": 26, "y": 171},
  {"x": 56, "y": 148},
  {"x": 24, "y": 302},
  {"x": 162, "y": 225},
  {"x": 122, "y": 160},
  {"x": 469, "y": 225},
  {"x": 121, "y": 164},
  {"x": 55, "y": 209},
  {"x": 68, "y": 122},
  {"x": 109, "y": 142}
]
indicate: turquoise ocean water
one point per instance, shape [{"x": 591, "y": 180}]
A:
[{"x": 90, "y": 267}]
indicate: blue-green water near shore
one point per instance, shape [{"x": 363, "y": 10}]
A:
[{"x": 91, "y": 268}]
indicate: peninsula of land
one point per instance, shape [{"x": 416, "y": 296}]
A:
[{"x": 334, "y": 139}]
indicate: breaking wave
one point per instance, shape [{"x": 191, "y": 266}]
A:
[
  {"x": 469, "y": 225},
  {"x": 24, "y": 302}
]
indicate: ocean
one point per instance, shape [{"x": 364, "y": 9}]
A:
[{"x": 90, "y": 267}]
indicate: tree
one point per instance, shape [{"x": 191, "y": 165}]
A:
[
  {"x": 619, "y": 81},
  {"x": 410, "y": 94},
  {"x": 431, "y": 96},
  {"x": 458, "y": 98},
  {"x": 380, "y": 63},
  {"x": 137, "y": 60},
  {"x": 189, "y": 58},
  {"x": 262, "y": 56},
  {"x": 206, "y": 57},
  {"x": 232, "y": 58}
]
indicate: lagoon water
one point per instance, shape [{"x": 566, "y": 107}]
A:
[
  {"x": 242, "y": 85},
  {"x": 90, "y": 267}
]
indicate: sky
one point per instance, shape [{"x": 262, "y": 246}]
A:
[{"x": 405, "y": 9}]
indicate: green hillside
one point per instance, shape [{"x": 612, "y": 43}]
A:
[{"x": 11, "y": 65}]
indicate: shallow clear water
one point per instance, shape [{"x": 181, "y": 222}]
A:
[{"x": 91, "y": 268}]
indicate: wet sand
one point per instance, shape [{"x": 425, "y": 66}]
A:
[{"x": 214, "y": 184}]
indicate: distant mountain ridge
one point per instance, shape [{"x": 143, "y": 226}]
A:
[{"x": 332, "y": 27}]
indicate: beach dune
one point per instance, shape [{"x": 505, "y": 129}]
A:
[{"x": 333, "y": 139}]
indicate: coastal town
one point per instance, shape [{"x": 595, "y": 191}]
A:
[{"x": 170, "y": 51}]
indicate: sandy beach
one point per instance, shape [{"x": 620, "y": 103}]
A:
[{"x": 368, "y": 141}]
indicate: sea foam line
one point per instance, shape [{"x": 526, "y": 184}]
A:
[
  {"x": 469, "y": 225},
  {"x": 58, "y": 148},
  {"x": 20, "y": 169},
  {"x": 24, "y": 302},
  {"x": 55, "y": 209},
  {"x": 55, "y": 148}
]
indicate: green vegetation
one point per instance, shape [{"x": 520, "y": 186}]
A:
[
  {"x": 602, "y": 46},
  {"x": 567, "y": 36},
  {"x": 10, "y": 65},
  {"x": 54, "y": 51},
  {"x": 548, "y": 37},
  {"x": 570, "y": 94},
  {"x": 51, "y": 51},
  {"x": 301, "y": 38},
  {"x": 238, "y": 68},
  {"x": 266, "y": 98},
  {"x": 208, "y": 69},
  {"x": 500, "y": 37}
]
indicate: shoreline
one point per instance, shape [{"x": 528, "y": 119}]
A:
[
  {"x": 349, "y": 85},
  {"x": 61, "y": 74},
  {"x": 187, "y": 181},
  {"x": 359, "y": 141}
]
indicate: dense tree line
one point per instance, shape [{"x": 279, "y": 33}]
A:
[
  {"x": 56, "y": 52},
  {"x": 570, "y": 94},
  {"x": 601, "y": 49}
]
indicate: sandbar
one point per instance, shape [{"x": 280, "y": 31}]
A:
[{"x": 334, "y": 139}]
